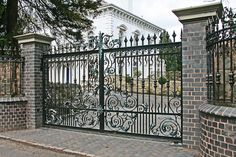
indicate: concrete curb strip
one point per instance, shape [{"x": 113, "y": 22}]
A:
[{"x": 48, "y": 147}]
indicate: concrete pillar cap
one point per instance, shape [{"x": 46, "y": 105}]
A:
[
  {"x": 199, "y": 12},
  {"x": 33, "y": 37}
]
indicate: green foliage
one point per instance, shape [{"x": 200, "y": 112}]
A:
[
  {"x": 128, "y": 78},
  {"x": 66, "y": 18},
  {"x": 2, "y": 9},
  {"x": 172, "y": 62},
  {"x": 137, "y": 73},
  {"x": 2, "y": 20},
  {"x": 165, "y": 38},
  {"x": 162, "y": 80}
]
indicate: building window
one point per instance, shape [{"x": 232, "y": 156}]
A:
[
  {"x": 122, "y": 32},
  {"x": 90, "y": 39},
  {"x": 136, "y": 36}
]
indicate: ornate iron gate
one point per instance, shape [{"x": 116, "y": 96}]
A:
[{"x": 103, "y": 86}]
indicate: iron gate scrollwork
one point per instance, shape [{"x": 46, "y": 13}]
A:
[{"x": 103, "y": 86}]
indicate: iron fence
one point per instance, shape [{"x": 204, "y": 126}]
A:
[
  {"x": 102, "y": 86},
  {"x": 11, "y": 69},
  {"x": 221, "y": 60}
]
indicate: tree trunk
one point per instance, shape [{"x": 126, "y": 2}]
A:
[{"x": 12, "y": 13}]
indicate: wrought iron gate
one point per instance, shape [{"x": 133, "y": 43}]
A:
[
  {"x": 103, "y": 86},
  {"x": 221, "y": 48}
]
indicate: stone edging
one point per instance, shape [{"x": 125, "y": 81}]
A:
[
  {"x": 48, "y": 147},
  {"x": 218, "y": 110},
  {"x": 12, "y": 99}
]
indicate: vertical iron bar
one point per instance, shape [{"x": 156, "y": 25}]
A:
[
  {"x": 55, "y": 82},
  {"x": 155, "y": 77},
  {"x": 181, "y": 90},
  {"x": 70, "y": 86},
  {"x": 115, "y": 66},
  {"x": 231, "y": 73},
  {"x": 175, "y": 74},
  {"x": 88, "y": 72},
  {"x": 126, "y": 85},
  {"x": 131, "y": 83},
  {"x": 213, "y": 75},
  {"x": 213, "y": 63},
  {"x": 15, "y": 88},
  {"x": 63, "y": 93},
  {"x": 75, "y": 84},
  {"x": 143, "y": 82},
  {"x": 101, "y": 80},
  {"x": 5, "y": 77},
  {"x": 120, "y": 71},
  {"x": 51, "y": 81},
  {"x": 79, "y": 74},
  {"x": 215, "y": 58},
  {"x": 149, "y": 87},
  {"x": 20, "y": 75},
  {"x": 44, "y": 93},
  {"x": 209, "y": 74},
  {"x": 161, "y": 57},
  {"x": 59, "y": 81},
  {"x": 84, "y": 77},
  {"x": 168, "y": 94},
  {"x": 10, "y": 76},
  {"x": 137, "y": 86},
  {"x": 218, "y": 68},
  {"x": 224, "y": 79}
]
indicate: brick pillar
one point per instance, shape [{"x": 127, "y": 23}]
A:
[
  {"x": 33, "y": 46},
  {"x": 194, "y": 57}
]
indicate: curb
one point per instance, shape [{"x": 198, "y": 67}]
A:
[{"x": 48, "y": 147}]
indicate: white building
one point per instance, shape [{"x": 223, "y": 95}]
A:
[{"x": 120, "y": 23}]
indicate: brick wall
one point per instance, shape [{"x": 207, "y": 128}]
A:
[
  {"x": 12, "y": 114},
  {"x": 218, "y": 135}
]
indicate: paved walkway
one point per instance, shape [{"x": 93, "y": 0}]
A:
[{"x": 95, "y": 144}]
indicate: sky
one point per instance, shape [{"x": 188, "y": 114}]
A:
[{"x": 159, "y": 12}]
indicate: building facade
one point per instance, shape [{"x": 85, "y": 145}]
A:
[{"x": 120, "y": 23}]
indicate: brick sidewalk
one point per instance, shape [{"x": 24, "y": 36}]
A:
[{"x": 96, "y": 144}]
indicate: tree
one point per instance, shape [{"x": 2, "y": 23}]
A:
[
  {"x": 2, "y": 9},
  {"x": 67, "y": 18},
  {"x": 172, "y": 62}
]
